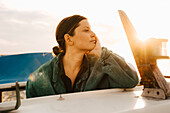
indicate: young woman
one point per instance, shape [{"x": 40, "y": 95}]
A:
[{"x": 80, "y": 64}]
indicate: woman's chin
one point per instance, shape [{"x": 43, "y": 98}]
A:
[{"x": 90, "y": 49}]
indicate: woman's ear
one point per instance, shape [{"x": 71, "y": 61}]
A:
[{"x": 68, "y": 39}]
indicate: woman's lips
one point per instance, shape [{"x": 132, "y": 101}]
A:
[{"x": 94, "y": 41}]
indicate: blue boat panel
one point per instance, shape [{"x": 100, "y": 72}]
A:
[{"x": 18, "y": 67}]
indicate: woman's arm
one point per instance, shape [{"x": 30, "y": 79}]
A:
[
  {"x": 108, "y": 64},
  {"x": 121, "y": 74},
  {"x": 30, "y": 92},
  {"x": 110, "y": 71}
]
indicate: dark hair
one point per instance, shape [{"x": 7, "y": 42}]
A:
[{"x": 66, "y": 26}]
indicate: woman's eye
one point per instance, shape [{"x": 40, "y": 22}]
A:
[{"x": 86, "y": 30}]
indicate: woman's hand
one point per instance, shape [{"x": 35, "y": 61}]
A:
[{"x": 97, "y": 51}]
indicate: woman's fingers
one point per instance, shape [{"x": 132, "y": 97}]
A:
[{"x": 97, "y": 50}]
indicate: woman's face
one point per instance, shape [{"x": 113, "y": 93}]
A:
[{"x": 84, "y": 38}]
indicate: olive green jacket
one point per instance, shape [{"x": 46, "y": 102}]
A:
[{"x": 109, "y": 71}]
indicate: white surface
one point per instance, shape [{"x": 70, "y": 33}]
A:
[{"x": 101, "y": 101}]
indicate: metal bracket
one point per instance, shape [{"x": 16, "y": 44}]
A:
[
  {"x": 18, "y": 101},
  {"x": 155, "y": 93}
]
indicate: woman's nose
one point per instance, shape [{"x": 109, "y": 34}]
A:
[{"x": 93, "y": 34}]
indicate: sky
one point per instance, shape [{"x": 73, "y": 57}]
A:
[{"x": 28, "y": 26}]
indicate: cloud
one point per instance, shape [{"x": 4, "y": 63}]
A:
[
  {"x": 26, "y": 30},
  {"x": 7, "y": 43},
  {"x": 35, "y": 31},
  {"x": 23, "y": 31}
]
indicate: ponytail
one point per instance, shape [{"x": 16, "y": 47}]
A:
[{"x": 57, "y": 50}]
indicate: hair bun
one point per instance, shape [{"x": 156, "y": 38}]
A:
[{"x": 56, "y": 50}]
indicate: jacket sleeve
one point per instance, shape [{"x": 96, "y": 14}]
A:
[
  {"x": 39, "y": 82},
  {"x": 30, "y": 92},
  {"x": 120, "y": 74}
]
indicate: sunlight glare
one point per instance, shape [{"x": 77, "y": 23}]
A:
[
  {"x": 143, "y": 37},
  {"x": 139, "y": 103}
]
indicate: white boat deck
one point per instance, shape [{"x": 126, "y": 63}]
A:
[{"x": 100, "y": 101}]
